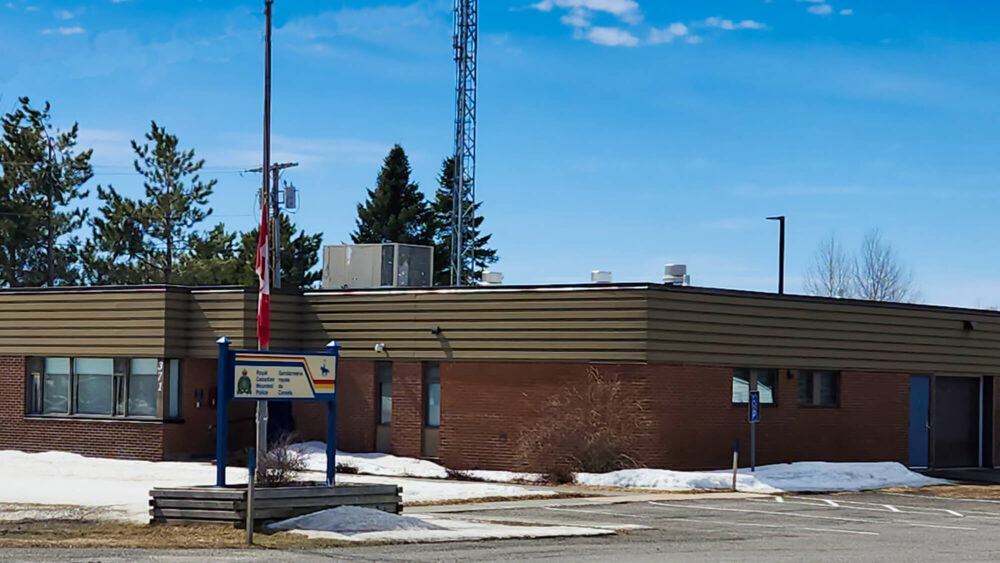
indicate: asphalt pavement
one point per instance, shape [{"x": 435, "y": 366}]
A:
[{"x": 835, "y": 527}]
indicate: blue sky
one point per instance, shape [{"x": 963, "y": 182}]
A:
[{"x": 613, "y": 134}]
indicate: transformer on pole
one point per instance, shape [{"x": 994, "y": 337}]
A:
[{"x": 464, "y": 188}]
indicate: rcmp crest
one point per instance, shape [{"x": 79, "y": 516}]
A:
[{"x": 243, "y": 386}]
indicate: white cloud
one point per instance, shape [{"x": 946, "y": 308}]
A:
[
  {"x": 847, "y": 12},
  {"x": 64, "y": 30},
  {"x": 611, "y": 37},
  {"x": 577, "y": 17},
  {"x": 64, "y": 15},
  {"x": 626, "y": 10},
  {"x": 667, "y": 34},
  {"x": 731, "y": 25},
  {"x": 821, "y": 9}
]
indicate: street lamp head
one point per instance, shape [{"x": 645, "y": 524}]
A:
[{"x": 776, "y": 218}]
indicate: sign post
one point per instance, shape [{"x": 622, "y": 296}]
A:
[
  {"x": 754, "y": 417},
  {"x": 287, "y": 376}
]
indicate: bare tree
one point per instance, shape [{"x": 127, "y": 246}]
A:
[
  {"x": 832, "y": 272},
  {"x": 879, "y": 275}
]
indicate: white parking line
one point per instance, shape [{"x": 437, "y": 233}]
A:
[
  {"x": 814, "y": 516},
  {"x": 584, "y": 511},
  {"x": 897, "y": 508},
  {"x": 926, "y": 497},
  {"x": 779, "y": 526}
]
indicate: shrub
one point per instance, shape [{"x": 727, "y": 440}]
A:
[
  {"x": 346, "y": 469},
  {"x": 593, "y": 428},
  {"x": 460, "y": 475},
  {"x": 281, "y": 465}
]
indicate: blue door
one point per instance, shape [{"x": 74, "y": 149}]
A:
[{"x": 920, "y": 399}]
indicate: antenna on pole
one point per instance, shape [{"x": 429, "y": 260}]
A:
[{"x": 463, "y": 193}]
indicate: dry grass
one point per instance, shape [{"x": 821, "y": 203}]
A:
[
  {"x": 985, "y": 492},
  {"x": 77, "y": 533}
]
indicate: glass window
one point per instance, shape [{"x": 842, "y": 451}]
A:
[
  {"x": 174, "y": 409},
  {"x": 383, "y": 371},
  {"x": 55, "y": 387},
  {"x": 819, "y": 388},
  {"x": 142, "y": 386},
  {"x": 767, "y": 379},
  {"x": 94, "y": 385},
  {"x": 36, "y": 370},
  {"x": 432, "y": 388}
]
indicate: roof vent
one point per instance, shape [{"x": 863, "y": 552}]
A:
[
  {"x": 600, "y": 276},
  {"x": 676, "y": 274},
  {"x": 492, "y": 278}
]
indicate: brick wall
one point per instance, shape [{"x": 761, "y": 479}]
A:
[
  {"x": 101, "y": 438},
  {"x": 195, "y": 437},
  {"x": 485, "y": 406},
  {"x": 355, "y": 409},
  {"x": 407, "y": 408}
]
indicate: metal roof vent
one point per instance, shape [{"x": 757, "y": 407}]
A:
[
  {"x": 491, "y": 278},
  {"x": 600, "y": 276},
  {"x": 676, "y": 274}
]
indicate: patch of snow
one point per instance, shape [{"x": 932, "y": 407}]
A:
[
  {"x": 504, "y": 476},
  {"x": 120, "y": 486},
  {"x": 351, "y": 523},
  {"x": 422, "y": 491},
  {"x": 813, "y": 476},
  {"x": 370, "y": 463},
  {"x": 352, "y": 520}
]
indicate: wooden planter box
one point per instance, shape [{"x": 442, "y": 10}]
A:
[{"x": 228, "y": 504}]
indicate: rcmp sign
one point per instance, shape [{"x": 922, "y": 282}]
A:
[{"x": 263, "y": 376}]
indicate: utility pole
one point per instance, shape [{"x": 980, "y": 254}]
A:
[{"x": 275, "y": 221}]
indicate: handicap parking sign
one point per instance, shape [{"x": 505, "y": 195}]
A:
[{"x": 754, "y": 407}]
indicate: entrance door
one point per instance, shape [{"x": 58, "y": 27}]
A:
[
  {"x": 920, "y": 423},
  {"x": 956, "y": 421}
]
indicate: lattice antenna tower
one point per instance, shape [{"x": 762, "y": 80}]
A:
[{"x": 464, "y": 189}]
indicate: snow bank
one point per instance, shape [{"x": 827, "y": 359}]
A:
[
  {"x": 813, "y": 476},
  {"x": 373, "y": 463},
  {"x": 352, "y": 523},
  {"x": 352, "y": 520}
]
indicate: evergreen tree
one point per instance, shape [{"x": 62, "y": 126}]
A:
[
  {"x": 443, "y": 208},
  {"x": 41, "y": 175},
  {"x": 143, "y": 241},
  {"x": 395, "y": 210},
  {"x": 299, "y": 256},
  {"x": 212, "y": 259}
]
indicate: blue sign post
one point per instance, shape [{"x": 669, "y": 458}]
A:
[
  {"x": 263, "y": 375},
  {"x": 754, "y": 417}
]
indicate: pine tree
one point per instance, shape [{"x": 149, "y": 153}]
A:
[
  {"x": 212, "y": 259},
  {"x": 42, "y": 175},
  {"x": 299, "y": 256},
  {"x": 443, "y": 208},
  {"x": 395, "y": 210},
  {"x": 143, "y": 241}
]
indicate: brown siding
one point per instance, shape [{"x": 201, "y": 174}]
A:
[
  {"x": 744, "y": 329},
  {"x": 584, "y": 324},
  {"x": 83, "y": 322}
]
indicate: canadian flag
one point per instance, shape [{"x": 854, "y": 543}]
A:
[{"x": 263, "y": 268}]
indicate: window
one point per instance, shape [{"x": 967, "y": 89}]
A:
[
  {"x": 766, "y": 381},
  {"x": 174, "y": 394},
  {"x": 819, "y": 388},
  {"x": 119, "y": 387},
  {"x": 383, "y": 371},
  {"x": 142, "y": 386},
  {"x": 93, "y": 385},
  {"x": 432, "y": 391}
]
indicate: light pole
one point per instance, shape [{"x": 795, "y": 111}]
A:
[{"x": 781, "y": 253}]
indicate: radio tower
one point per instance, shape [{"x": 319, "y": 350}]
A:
[{"x": 464, "y": 190}]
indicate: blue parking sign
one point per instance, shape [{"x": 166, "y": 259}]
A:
[{"x": 754, "y": 407}]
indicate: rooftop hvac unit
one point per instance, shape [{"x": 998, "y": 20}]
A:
[
  {"x": 377, "y": 265},
  {"x": 492, "y": 278},
  {"x": 600, "y": 276},
  {"x": 676, "y": 274}
]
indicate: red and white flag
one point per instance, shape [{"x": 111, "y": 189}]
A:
[{"x": 264, "y": 281}]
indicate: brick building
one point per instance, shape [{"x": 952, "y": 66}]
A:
[{"x": 461, "y": 373}]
